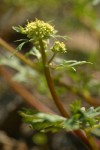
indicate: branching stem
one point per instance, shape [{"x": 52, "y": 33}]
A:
[
  {"x": 51, "y": 58},
  {"x": 53, "y": 92},
  {"x": 50, "y": 82}
]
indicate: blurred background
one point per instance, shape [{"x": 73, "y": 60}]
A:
[{"x": 80, "y": 21}]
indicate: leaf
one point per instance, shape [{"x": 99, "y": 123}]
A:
[
  {"x": 22, "y": 40},
  {"x": 75, "y": 106},
  {"x": 44, "y": 122},
  {"x": 80, "y": 119},
  {"x": 71, "y": 124},
  {"x": 86, "y": 118},
  {"x": 17, "y": 29},
  {"x": 35, "y": 52},
  {"x": 20, "y": 46},
  {"x": 63, "y": 37},
  {"x": 93, "y": 112},
  {"x": 71, "y": 64},
  {"x": 79, "y": 63}
]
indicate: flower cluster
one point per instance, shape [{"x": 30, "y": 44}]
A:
[
  {"x": 59, "y": 47},
  {"x": 38, "y": 30}
]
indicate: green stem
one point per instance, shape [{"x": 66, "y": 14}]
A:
[
  {"x": 50, "y": 82},
  {"x": 52, "y": 58},
  {"x": 53, "y": 92}
]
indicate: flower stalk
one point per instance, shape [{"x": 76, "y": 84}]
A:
[{"x": 50, "y": 83}]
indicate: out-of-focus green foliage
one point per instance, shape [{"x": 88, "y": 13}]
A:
[{"x": 80, "y": 119}]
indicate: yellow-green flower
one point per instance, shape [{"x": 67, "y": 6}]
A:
[
  {"x": 59, "y": 47},
  {"x": 38, "y": 30}
]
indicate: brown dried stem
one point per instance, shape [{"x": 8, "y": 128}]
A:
[{"x": 23, "y": 92}]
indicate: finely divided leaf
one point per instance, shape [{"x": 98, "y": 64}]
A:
[
  {"x": 70, "y": 64},
  {"x": 44, "y": 122},
  {"x": 80, "y": 119}
]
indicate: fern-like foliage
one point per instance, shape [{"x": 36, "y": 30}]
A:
[
  {"x": 43, "y": 122},
  {"x": 80, "y": 119},
  {"x": 70, "y": 64}
]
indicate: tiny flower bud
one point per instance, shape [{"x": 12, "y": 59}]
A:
[{"x": 59, "y": 47}]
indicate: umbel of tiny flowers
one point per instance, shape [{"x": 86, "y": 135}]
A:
[
  {"x": 58, "y": 47},
  {"x": 38, "y": 30}
]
